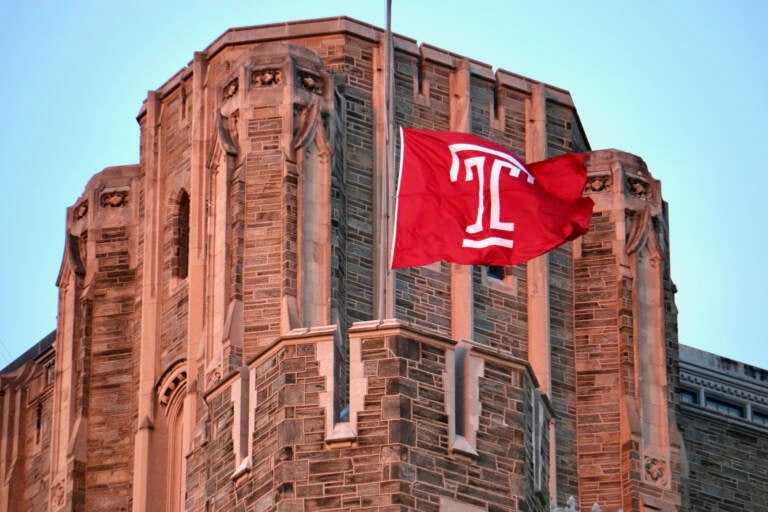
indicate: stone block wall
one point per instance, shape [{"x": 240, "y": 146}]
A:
[
  {"x": 727, "y": 463},
  {"x": 598, "y": 412},
  {"x": 111, "y": 398},
  {"x": 722, "y": 412},
  {"x": 399, "y": 458},
  {"x": 37, "y": 452}
]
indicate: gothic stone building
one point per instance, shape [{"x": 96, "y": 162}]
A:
[{"x": 229, "y": 337}]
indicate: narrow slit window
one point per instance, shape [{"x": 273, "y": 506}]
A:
[
  {"x": 181, "y": 267},
  {"x": 461, "y": 391},
  {"x": 420, "y": 74},
  {"x": 38, "y": 422}
]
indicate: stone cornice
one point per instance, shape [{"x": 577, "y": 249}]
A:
[
  {"x": 349, "y": 26},
  {"x": 737, "y": 390}
]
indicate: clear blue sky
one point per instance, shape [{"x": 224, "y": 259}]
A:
[{"x": 680, "y": 83}]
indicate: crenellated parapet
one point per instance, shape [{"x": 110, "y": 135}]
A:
[{"x": 423, "y": 412}]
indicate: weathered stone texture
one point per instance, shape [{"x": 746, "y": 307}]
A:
[
  {"x": 727, "y": 464},
  {"x": 563, "y": 369},
  {"x": 112, "y": 392},
  {"x": 500, "y": 311},
  {"x": 351, "y": 62},
  {"x": 596, "y": 363}
]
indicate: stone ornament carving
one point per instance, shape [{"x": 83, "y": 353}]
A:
[
  {"x": 265, "y": 77},
  {"x": 213, "y": 377},
  {"x": 57, "y": 494},
  {"x": 600, "y": 183},
  {"x": 310, "y": 127},
  {"x": 223, "y": 139},
  {"x": 642, "y": 232},
  {"x": 639, "y": 188},
  {"x": 230, "y": 89},
  {"x": 656, "y": 470},
  {"x": 310, "y": 82},
  {"x": 81, "y": 210},
  {"x": 114, "y": 198}
]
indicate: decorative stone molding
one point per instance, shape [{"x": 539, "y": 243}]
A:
[
  {"x": 75, "y": 249},
  {"x": 114, "y": 198},
  {"x": 57, "y": 494},
  {"x": 598, "y": 183},
  {"x": 81, "y": 210},
  {"x": 226, "y": 129},
  {"x": 656, "y": 471},
  {"x": 222, "y": 140},
  {"x": 265, "y": 77},
  {"x": 642, "y": 231},
  {"x": 722, "y": 388},
  {"x": 639, "y": 188},
  {"x": 311, "y": 82},
  {"x": 310, "y": 128},
  {"x": 213, "y": 377},
  {"x": 173, "y": 380},
  {"x": 230, "y": 89}
]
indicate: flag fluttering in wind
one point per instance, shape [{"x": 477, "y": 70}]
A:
[{"x": 467, "y": 200}]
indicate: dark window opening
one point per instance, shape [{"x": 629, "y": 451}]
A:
[
  {"x": 181, "y": 266},
  {"x": 460, "y": 390},
  {"x": 38, "y": 422},
  {"x": 496, "y": 99},
  {"x": 688, "y": 396},
  {"x": 725, "y": 407},
  {"x": 760, "y": 417},
  {"x": 420, "y": 74},
  {"x": 495, "y": 272}
]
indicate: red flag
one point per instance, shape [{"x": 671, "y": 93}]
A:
[{"x": 467, "y": 200}]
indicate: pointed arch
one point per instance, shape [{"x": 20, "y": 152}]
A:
[{"x": 171, "y": 390}]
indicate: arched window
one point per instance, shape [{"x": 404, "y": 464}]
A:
[{"x": 171, "y": 392}]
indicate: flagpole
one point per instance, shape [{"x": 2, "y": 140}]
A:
[{"x": 386, "y": 304}]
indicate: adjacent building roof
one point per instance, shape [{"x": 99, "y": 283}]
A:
[{"x": 34, "y": 352}]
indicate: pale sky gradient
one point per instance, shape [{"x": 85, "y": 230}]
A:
[{"x": 680, "y": 83}]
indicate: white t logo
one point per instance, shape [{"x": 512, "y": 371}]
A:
[{"x": 501, "y": 161}]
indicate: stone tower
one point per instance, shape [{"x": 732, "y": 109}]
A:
[
  {"x": 229, "y": 337},
  {"x": 626, "y": 341}
]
